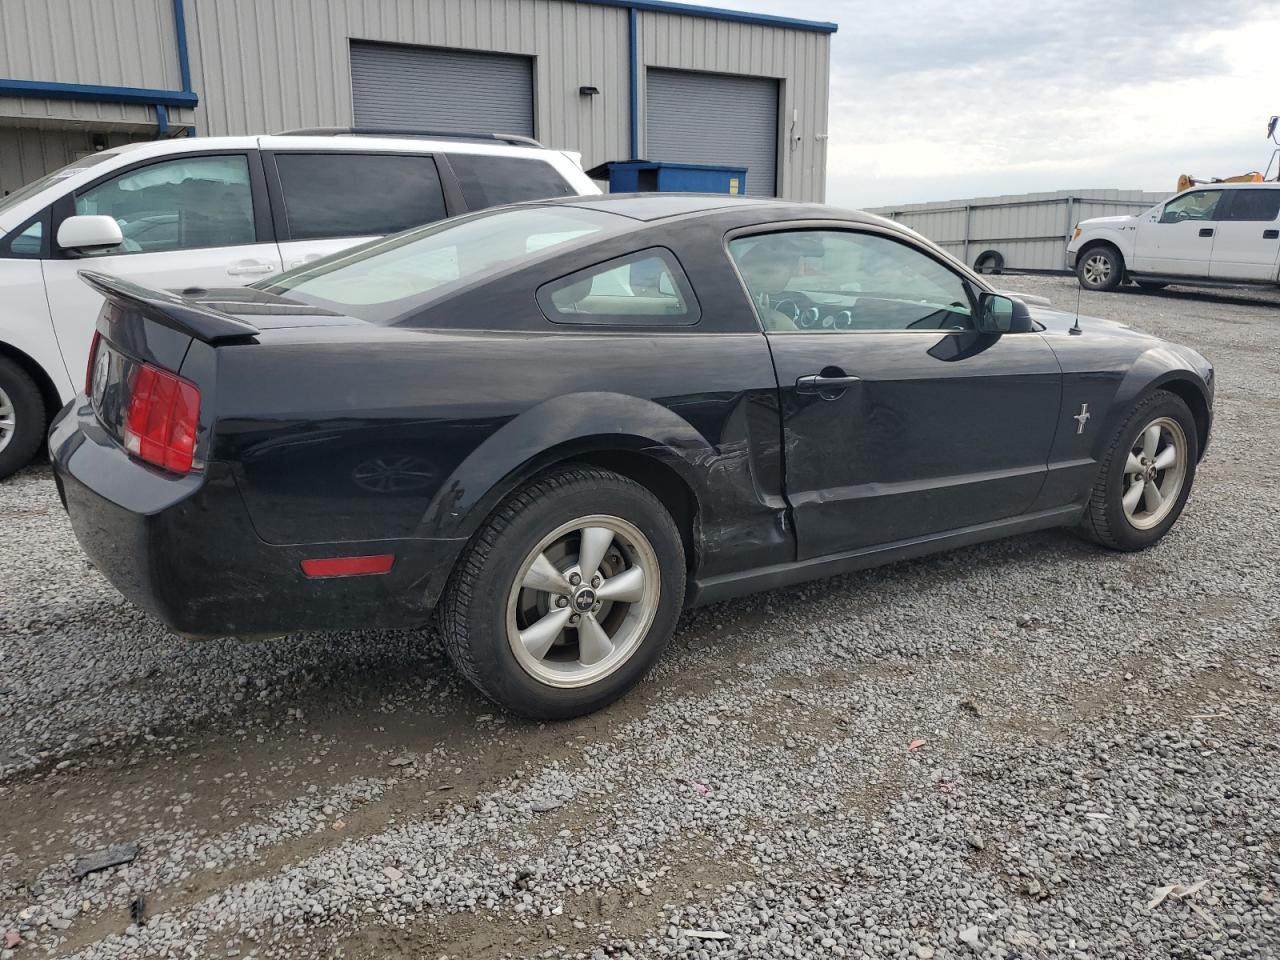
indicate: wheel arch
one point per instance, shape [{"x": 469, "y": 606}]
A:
[
  {"x": 1103, "y": 242},
  {"x": 44, "y": 383},
  {"x": 1194, "y": 396},
  {"x": 644, "y": 442}
]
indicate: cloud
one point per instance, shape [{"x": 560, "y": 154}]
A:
[{"x": 932, "y": 100}]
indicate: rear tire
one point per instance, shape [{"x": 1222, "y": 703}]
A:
[
  {"x": 22, "y": 418},
  {"x": 506, "y": 614},
  {"x": 1157, "y": 446},
  {"x": 1100, "y": 268}
]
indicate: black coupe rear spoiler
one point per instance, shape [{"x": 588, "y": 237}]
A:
[{"x": 170, "y": 310}]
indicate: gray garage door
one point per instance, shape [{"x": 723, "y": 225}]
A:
[
  {"x": 432, "y": 89},
  {"x": 715, "y": 118}
]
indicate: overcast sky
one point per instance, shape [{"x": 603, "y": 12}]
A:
[{"x": 946, "y": 99}]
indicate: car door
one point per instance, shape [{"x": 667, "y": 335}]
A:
[
  {"x": 1178, "y": 238},
  {"x": 327, "y": 201},
  {"x": 899, "y": 419},
  {"x": 1247, "y": 243},
  {"x": 194, "y": 220}
]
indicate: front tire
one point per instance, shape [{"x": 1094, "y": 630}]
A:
[
  {"x": 567, "y": 595},
  {"x": 22, "y": 418},
  {"x": 1100, "y": 268},
  {"x": 1146, "y": 476}
]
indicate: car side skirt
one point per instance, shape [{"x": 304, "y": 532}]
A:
[{"x": 713, "y": 589}]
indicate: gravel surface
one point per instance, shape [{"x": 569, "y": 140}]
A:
[{"x": 1031, "y": 748}]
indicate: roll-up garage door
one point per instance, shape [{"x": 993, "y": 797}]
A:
[
  {"x": 427, "y": 88},
  {"x": 714, "y": 118}
]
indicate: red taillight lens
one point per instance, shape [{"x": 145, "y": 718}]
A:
[
  {"x": 88, "y": 372},
  {"x": 164, "y": 411}
]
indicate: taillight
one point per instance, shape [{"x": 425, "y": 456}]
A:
[
  {"x": 93, "y": 355},
  {"x": 160, "y": 426}
]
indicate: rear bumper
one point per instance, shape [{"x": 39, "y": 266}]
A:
[{"x": 183, "y": 549}]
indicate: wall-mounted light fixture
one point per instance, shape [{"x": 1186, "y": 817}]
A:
[{"x": 588, "y": 91}]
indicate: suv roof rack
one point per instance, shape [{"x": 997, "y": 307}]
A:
[{"x": 409, "y": 132}]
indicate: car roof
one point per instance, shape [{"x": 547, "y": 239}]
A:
[{"x": 661, "y": 206}]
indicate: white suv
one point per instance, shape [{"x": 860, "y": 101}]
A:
[
  {"x": 1213, "y": 234},
  {"x": 217, "y": 212}
]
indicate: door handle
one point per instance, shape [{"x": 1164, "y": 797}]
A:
[
  {"x": 294, "y": 264},
  {"x": 249, "y": 268},
  {"x": 1206, "y": 231},
  {"x": 827, "y": 387},
  {"x": 1271, "y": 234}
]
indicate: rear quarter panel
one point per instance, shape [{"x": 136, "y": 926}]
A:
[{"x": 359, "y": 434}]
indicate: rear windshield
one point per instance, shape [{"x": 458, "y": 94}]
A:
[
  {"x": 383, "y": 280},
  {"x": 35, "y": 186}
]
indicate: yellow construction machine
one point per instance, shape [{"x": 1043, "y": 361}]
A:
[{"x": 1186, "y": 181}]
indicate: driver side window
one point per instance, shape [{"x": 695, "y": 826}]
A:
[
  {"x": 184, "y": 204},
  {"x": 1196, "y": 205},
  {"x": 831, "y": 281}
]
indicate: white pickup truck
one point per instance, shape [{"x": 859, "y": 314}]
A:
[{"x": 1221, "y": 233}]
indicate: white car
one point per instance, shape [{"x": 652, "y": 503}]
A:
[
  {"x": 1221, "y": 233},
  {"x": 218, "y": 212}
]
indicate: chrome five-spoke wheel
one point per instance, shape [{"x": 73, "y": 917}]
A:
[
  {"x": 1097, "y": 270},
  {"x": 1154, "y": 473},
  {"x": 8, "y": 423},
  {"x": 583, "y": 601}
]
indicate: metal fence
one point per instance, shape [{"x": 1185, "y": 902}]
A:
[{"x": 1025, "y": 232}]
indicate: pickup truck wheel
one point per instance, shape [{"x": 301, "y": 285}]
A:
[
  {"x": 1100, "y": 268},
  {"x": 1145, "y": 478},
  {"x": 567, "y": 595},
  {"x": 22, "y": 418}
]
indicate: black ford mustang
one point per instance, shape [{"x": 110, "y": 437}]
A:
[{"x": 557, "y": 424}]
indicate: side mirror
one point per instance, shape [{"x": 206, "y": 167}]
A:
[
  {"x": 89, "y": 233},
  {"x": 1000, "y": 314}
]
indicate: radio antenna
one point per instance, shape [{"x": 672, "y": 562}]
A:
[{"x": 1075, "y": 329}]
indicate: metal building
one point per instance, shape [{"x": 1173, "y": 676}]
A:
[
  {"x": 1026, "y": 231},
  {"x": 613, "y": 79}
]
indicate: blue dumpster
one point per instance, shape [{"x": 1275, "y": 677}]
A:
[{"x": 660, "y": 176}]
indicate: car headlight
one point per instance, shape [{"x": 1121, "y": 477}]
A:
[{"x": 1076, "y": 234}]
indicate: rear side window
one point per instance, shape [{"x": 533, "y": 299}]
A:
[
  {"x": 642, "y": 289},
  {"x": 358, "y": 194},
  {"x": 1260, "y": 205},
  {"x": 488, "y": 181},
  {"x": 177, "y": 205}
]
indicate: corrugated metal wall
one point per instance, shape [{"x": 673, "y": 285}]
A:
[
  {"x": 129, "y": 43},
  {"x": 27, "y": 153},
  {"x": 1029, "y": 230},
  {"x": 263, "y": 67}
]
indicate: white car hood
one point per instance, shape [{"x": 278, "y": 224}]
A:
[{"x": 1108, "y": 222}]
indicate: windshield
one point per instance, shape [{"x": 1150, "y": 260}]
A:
[
  {"x": 381, "y": 281},
  {"x": 35, "y": 186}
]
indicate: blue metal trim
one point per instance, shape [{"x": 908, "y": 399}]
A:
[
  {"x": 184, "y": 63},
  {"x": 719, "y": 13},
  {"x": 94, "y": 92},
  {"x": 633, "y": 41},
  {"x": 162, "y": 119}
]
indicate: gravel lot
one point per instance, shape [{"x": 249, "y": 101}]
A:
[{"x": 1013, "y": 750}]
